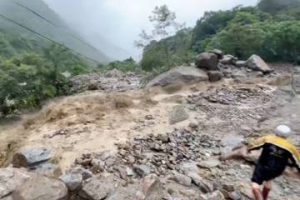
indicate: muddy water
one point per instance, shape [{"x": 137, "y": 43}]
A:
[{"x": 12, "y": 134}]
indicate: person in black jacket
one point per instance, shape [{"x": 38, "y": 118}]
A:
[{"x": 276, "y": 155}]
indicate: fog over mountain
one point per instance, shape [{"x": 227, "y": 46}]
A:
[{"x": 113, "y": 25}]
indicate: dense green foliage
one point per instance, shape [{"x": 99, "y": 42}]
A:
[
  {"x": 270, "y": 29},
  {"x": 128, "y": 65},
  {"x": 178, "y": 47},
  {"x": 29, "y": 74},
  {"x": 32, "y": 68},
  {"x": 53, "y": 27}
]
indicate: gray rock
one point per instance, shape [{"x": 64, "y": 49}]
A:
[
  {"x": 31, "y": 156},
  {"x": 120, "y": 193},
  {"x": 235, "y": 195},
  {"x": 98, "y": 188},
  {"x": 218, "y": 52},
  {"x": 72, "y": 181},
  {"x": 296, "y": 83},
  {"x": 240, "y": 63},
  {"x": 258, "y": 64},
  {"x": 178, "y": 114},
  {"x": 208, "y": 164},
  {"x": 205, "y": 186},
  {"x": 48, "y": 169},
  {"x": 183, "y": 179},
  {"x": 142, "y": 170},
  {"x": 181, "y": 74},
  {"x": 228, "y": 60},
  {"x": 208, "y": 61},
  {"x": 151, "y": 188},
  {"x": 217, "y": 195},
  {"x": 11, "y": 179},
  {"x": 215, "y": 76},
  {"x": 189, "y": 167},
  {"x": 86, "y": 174},
  {"x": 21, "y": 184}
]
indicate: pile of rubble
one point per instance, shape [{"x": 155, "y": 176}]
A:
[
  {"x": 159, "y": 154},
  {"x": 235, "y": 110},
  {"x": 233, "y": 96},
  {"x": 112, "y": 81}
]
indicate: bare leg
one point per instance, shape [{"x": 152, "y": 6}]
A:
[
  {"x": 256, "y": 192},
  {"x": 267, "y": 189}
]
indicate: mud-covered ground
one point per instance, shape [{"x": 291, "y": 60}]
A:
[{"x": 219, "y": 117}]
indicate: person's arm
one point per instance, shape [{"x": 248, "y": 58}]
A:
[{"x": 257, "y": 144}]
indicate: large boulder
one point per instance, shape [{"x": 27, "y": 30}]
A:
[
  {"x": 208, "y": 61},
  {"x": 29, "y": 157},
  {"x": 182, "y": 74},
  {"x": 21, "y": 184},
  {"x": 256, "y": 63}
]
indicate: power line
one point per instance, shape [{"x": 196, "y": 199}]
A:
[
  {"x": 53, "y": 24},
  {"x": 44, "y": 37}
]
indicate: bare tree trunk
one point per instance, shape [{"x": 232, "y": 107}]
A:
[{"x": 167, "y": 55}]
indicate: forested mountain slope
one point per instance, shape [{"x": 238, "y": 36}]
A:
[
  {"x": 270, "y": 29},
  {"x": 36, "y": 15}
]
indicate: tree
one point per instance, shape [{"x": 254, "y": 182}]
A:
[
  {"x": 164, "y": 25},
  {"x": 276, "y": 6}
]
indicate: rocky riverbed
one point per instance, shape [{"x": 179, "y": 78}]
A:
[{"x": 118, "y": 140}]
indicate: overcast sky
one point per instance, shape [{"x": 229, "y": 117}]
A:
[{"x": 121, "y": 21}]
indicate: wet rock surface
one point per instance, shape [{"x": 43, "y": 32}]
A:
[{"x": 184, "y": 74}]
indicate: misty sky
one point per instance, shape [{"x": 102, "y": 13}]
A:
[{"x": 121, "y": 21}]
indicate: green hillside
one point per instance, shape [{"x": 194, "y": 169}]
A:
[
  {"x": 270, "y": 29},
  {"x": 53, "y": 27},
  {"x": 32, "y": 68}
]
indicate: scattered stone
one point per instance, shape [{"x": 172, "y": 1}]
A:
[
  {"x": 121, "y": 193},
  {"x": 112, "y": 81},
  {"x": 86, "y": 174},
  {"x": 240, "y": 63},
  {"x": 178, "y": 114},
  {"x": 181, "y": 74},
  {"x": 151, "y": 188},
  {"x": 142, "y": 170},
  {"x": 98, "y": 188},
  {"x": 217, "y": 195},
  {"x": 183, "y": 179},
  {"x": 208, "y": 61},
  {"x": 228, "y": 60},
  {"x": 205, "y": 186},
  {"x": 235, "y": 195},
  {"x": 72, "y": 181},
  {"x": 258, "y": 64},
  {"x": 31, "y": 156},
  {"x": 190, "y": 166},
  {"x": 208, "y": 164},
  {"x": 215, "y": 76},
  {"x": 48, "y": 169}
]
